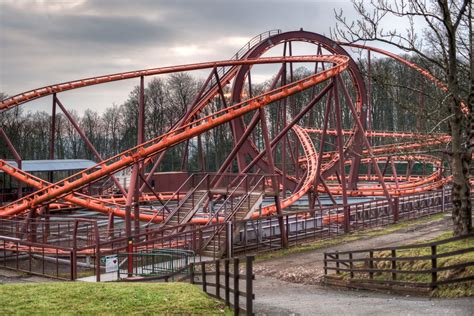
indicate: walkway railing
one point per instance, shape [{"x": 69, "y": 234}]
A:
[
  {"x": 165, "y": 263},
  {"x": 256, "y": 235}
]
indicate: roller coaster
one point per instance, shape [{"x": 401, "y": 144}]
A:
[{"x": 296, "y": 165}]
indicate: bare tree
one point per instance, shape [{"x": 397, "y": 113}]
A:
[{"x": 445, "y": 48}]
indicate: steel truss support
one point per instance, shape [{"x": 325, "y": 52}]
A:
[{"x": 87, "y": 141}]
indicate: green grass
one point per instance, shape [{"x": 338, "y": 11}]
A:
[
  {"x": 452, "y": 290},
  {"x": 67, "y": 298},
  {"x": 358, "y": 235}
]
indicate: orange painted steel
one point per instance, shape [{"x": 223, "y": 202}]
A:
[
  {"x": 441, "y": 85},
  {"x": 379, "y": 134},
  {"x": 312, "y": 159},
  {"x": 78, "y": 199},
  {"x": 71, "y": 85},
  {"x": 152, "y": 147}
]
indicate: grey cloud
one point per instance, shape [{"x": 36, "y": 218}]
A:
[{"x": 40, "y": 47}]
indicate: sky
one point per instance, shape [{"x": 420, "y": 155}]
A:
[{"x": 44, "y": 42}]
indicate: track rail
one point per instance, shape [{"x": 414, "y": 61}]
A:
[{"x": 152, "y": 147}]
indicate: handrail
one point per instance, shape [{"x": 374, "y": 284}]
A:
[
  {"x": 165, "y": 206},
  {"x": 239, "y": 204},
  {"x": 229, "y": 196},
  {"x": 241, "y": 53},
  {"x": 232, "y": 213},
  {"x": 191, "y": 192}
]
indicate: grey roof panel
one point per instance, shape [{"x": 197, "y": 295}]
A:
[{"x": 54, "y": 165}]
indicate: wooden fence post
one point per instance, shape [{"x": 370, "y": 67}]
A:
[
  {"x": 191, "y": 273},
  {"x": 203, "y": 276},
  {"x": 325, "y": 264},
  {"x": 351, "y": 265},
  {"x": 396, "y": 210},
  {"x": 434, "y": 266},
  {"x": 337, "y": 263},
  {"x": 226, "y": 282},
  {"x": 236, "y": 286},
  {"x": 394, "y": 264},
  {"x": 371, "y": 264},
  {"x": 218, "y": 278},
  {"x": 249, "y": 283}
]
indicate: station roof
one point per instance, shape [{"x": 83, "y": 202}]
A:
[{"x": 53, "y": 165}]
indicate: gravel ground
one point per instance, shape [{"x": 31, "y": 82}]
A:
[{"x": 290, "y": 284}]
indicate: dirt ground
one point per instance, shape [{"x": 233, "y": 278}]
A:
[
  {"x": 307, "y": 267},
  {"x": 10, "y": 276}
]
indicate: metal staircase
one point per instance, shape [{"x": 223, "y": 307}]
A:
[
  {"x": 247, "y": 204},
  {"x": 189, "y": 204}
]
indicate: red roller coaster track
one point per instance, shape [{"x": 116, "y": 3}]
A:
[{"x": 336, "y": 83}]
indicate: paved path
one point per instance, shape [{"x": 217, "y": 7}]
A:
[
  {"x": 290, "y": 284},
  {"x": 276, "y": 297}
]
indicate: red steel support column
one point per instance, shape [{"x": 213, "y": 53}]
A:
[
  {"x": 128, "y": 203},
  {"x": 283, "y": 114},
  {"x": 290, "y": 125},
  {"x": 340, "y": 146},
  {"x": 140, "y": 139},
  {"x": 53, "y": 136},
  {"x": 268, "y": 150},
  {"x": 367, "y": 144},
  {"x": 323, "y": 139},
  {"x": 52, "y": 145},
  {"x": 17, "y": 157},
  {"x": 87, "y": 141}
]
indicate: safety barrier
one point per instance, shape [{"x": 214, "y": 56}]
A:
[
  {"x": 165, "y": 263},
  {"x": 253, "y": 236}
]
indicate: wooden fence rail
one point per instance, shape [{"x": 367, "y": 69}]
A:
[
  {"x": 363, "y": 265},
  {"x": 226, "y": 284}
]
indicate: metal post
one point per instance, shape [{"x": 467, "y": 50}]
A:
[
  {"x": 53, "y": 136},
  {"x": 218, "y": 278},
  {"x": 16, "y": 155},
  {"x": 268, "y": 150},
  {"x": 130, "y": 257},
  {"x": 229, "y": 239},
  {"x": 87, "y": 141},
  {"x": 340, "y": 145},
  {"x": 396, "y": 211},
  {"x": 443, "y": 206}
]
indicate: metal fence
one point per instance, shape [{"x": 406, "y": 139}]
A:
[
  {"x": 71, "y": 248},
  {"x": 166, "y": 263}
]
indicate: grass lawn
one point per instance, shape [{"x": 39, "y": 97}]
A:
[{"x": 107, "y": 298}]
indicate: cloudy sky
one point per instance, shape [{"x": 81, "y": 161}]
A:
[{"x": 43, "y": 42}]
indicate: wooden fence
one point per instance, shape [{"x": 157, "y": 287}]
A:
[
  {"x": 223, "y": 279},
  {"x": 389, "y": 266}
]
